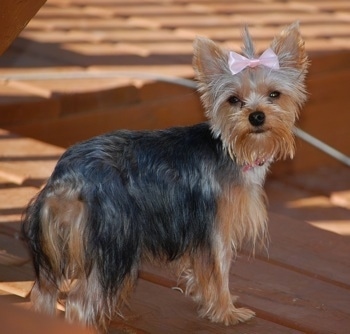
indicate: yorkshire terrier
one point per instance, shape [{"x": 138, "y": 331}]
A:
[{"x": 191, "y": 196}]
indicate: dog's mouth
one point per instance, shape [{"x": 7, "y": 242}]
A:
[
  {"x": 260, "y": 130},
  {"x": 257, "y": 131}
]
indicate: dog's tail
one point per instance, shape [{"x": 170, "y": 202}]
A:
[{"x": 52, "y": 226}]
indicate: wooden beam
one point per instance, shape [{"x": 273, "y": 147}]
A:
[{"x": 14, "y": 16}]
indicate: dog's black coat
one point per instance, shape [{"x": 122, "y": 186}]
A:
[{"x": 152, "y": 191}]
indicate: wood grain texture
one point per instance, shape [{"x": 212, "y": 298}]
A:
[{"x": 14, "y": 16}]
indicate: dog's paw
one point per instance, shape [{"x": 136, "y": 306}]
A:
[
  {"x": 236, "y": 315},
  {"x": 232, "y": 315}
]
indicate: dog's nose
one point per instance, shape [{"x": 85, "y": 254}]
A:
[{"x": 257, "y": 118}]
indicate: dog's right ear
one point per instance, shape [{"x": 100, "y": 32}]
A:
[
  {"x": 290, "y": 48},
  {"x": 209, "y": 60}
]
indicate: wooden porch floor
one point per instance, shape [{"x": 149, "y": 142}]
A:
[{"x": 302, "y": 285}]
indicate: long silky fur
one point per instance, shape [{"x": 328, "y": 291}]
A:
[
  {"x": 190, "y": 196},
  {"x": 116, "y": 197}
]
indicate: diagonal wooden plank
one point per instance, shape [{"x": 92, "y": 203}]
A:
[{"x": 15, "y": 14}]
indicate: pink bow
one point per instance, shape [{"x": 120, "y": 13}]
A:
[{"x": 238, "y": 62}]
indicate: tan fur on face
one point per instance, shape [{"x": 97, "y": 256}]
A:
[
  {"x": 247, "y": 146},
  {"x": 253, "y": 86},
  {"x": 275, "y": 138}
]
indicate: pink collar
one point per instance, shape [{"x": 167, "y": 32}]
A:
[{"x": 258, "y": 163}]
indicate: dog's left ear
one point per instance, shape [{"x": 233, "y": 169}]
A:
[
  {"x": 290, "y": 48},
  {"x": 209, "y": 60}
]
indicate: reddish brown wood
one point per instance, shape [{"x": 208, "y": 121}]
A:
[
  {"x": 18, "y": 320},
  {"x": 146, "y": 112},
  {"x": 15, "y": 14},
  {"x": 169, "y": 311}
]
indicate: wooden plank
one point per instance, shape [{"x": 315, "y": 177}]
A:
[
  {"x": 17, "y": 280},
  {"x": 73, "y": 87},
  {"x": 17, "y": 288},
  {"x": 25, "y": 160},
  {"x": 326, "y": 94},
  {"x": 12, "y": 95},
  {"x": 323, "y": 64},
  {"x": 15, "y": 14},
  {"x": 322, "y": 180},
  {"x": 158, "y": 310},
  {"x": 341, "y": 198},
  {"x": 177, "y": 110},
  {"x": 120, "y": 35},
  {"x": 335, "y": 183},
  {"x": 17, "y": 111},
  {"x": 285, "y": 288},
  {"x": 153, "y": 309},
  {"x": 315, "y": 252},
  {"x": 14, "y": 199},
  {"x": 12, "y": 249},
  {"x": 288, "y": 297},
  {"x": 304, "y": 202},
  {"x": 99, "y": 100},
  {"x": 303, "y": 281},
  {"x": 15, "y": 319},
  {"x": 284, "y": 296},
  {"x": 295, "y": 287}
]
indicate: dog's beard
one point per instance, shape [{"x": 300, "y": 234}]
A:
[
  {"x": 254, "y": 148},
  {"x": 249, "y": 145}
]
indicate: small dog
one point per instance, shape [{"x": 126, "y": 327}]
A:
[{"x": 190, "y": 196}]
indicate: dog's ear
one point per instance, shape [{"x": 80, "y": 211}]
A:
[
  {"x": 290, "y": 48},
  {"x": 209, "y": 60}
]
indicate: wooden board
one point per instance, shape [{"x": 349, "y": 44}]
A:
[
  {"x": 26, "y": 161},
  {"x": 16, "y": 319},
  {"x": 156, "y": 309},
  {"x": 15, "y": 14}
]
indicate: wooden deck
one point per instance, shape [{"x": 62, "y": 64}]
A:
[{"x": 302, "y": 285}]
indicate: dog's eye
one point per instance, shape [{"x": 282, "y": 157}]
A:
[
  {"x": 275, "y": 94},
  {"x": 233, "y": 100}
]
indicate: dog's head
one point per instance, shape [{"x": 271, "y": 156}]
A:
[{"x": 253, "y": 102}]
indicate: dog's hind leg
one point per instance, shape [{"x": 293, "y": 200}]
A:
[
  {"x": 44, "y": 296},
  {"x": 85, "y": 302}
]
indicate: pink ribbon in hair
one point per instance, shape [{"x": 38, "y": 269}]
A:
[{"x": 238, "y": 62}]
